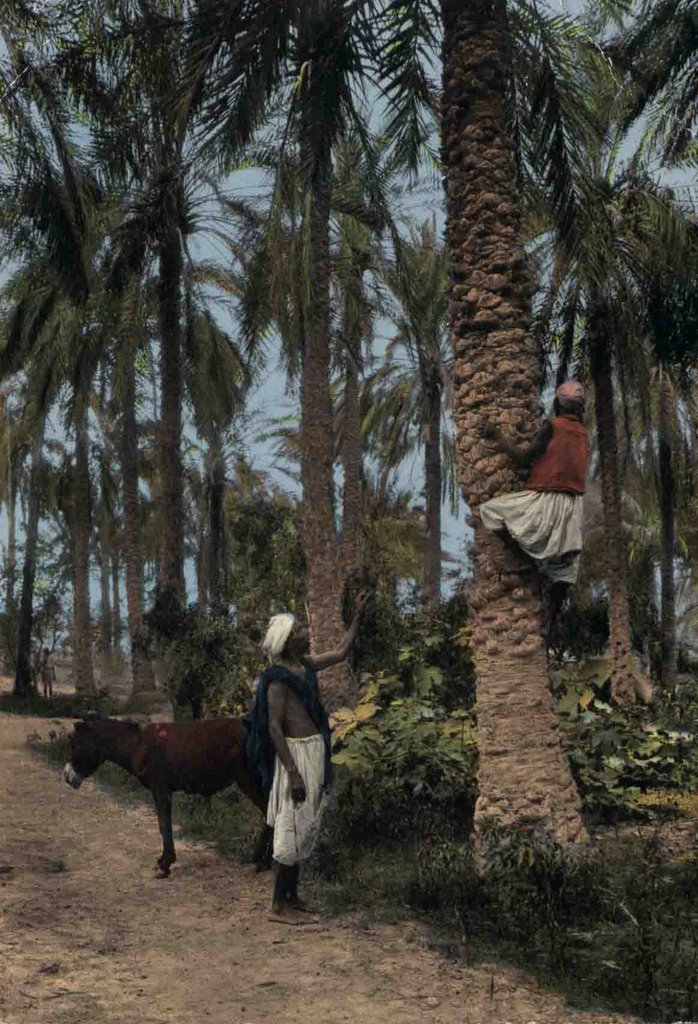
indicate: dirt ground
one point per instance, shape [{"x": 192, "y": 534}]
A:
[{"x": 89, "y": 935}]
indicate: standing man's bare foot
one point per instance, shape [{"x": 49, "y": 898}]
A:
[{"x": 287, "y": 914}]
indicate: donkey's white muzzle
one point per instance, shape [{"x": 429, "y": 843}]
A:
[{"x": 72, "y": 777}]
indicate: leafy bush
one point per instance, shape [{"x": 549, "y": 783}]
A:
[
  {"x": 210, "y": 660},
  {"x": 615, "y": 922},
  {"x": 618, "y": 755},
  {"x": 70, "y": 705},
  {"x": 407, "y": 752}
]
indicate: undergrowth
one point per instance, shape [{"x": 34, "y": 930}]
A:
[{"x": 613, "y": 923}]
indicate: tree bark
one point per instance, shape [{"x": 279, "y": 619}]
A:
[
  {"x": 11, "y": 555},
  {"x": 523, "y": 776},
  {"x": 325, "y": 578},
  {"x": 117, "y": 627},
  {"x": 202, "y": 559},
  {"x": 141, "y": 668},
  {"x": 627, "y": 679},
  {"x": 667, "y": 502},
  {"x": 10, "y": 563},
  {"x": 352, "y": 449},
  {"x": 82, "y": 522},
  {"x": 170, "y": 454},
  {"x": 105, "y": 624},
  {"x": 432, "y": 489},
  {"x": 218, "y": 575},
  {"x": 22, "y": 684}
]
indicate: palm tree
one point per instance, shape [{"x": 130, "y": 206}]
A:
[
  {"x": 408, "y": 407},
  {"x": 11, "y": 458},
  {"x": 672, "y": 310},
  {"x": 307, "y": 59},
  {"x": 50, "y": 200},
  {"x": 508, "y": 95},
  {"x": 126, "y": 387},
  {"x": 127, "y": 87},
  {"x": 82, "y": 529},
  {"x": 23, "y": 668}
]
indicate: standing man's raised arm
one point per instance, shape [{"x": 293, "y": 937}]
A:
[{"x": 338, "y": 654}]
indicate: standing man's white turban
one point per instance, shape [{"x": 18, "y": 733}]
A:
[{"x": 280, "y": 629}]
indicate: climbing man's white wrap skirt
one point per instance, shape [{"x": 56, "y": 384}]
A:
[
  {"x": 547, "y": 525},
  {"x": 296, "y": 826}
]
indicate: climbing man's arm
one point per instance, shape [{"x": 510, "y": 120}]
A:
[{"x": 524, "y": 454}]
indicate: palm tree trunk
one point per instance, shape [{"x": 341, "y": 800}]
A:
[
  {"x": 325, "y": 580},
  {"x": 432, "y": 487},
  {"x": 22, "y": 684},
  {"x": 627, "y": 679},
  {"x": 217, "y": 576},
  {"x": 11, "y": 554},
  {"x": 105, "y": 625},
  {"x": 171, "y": 472},
  {"x": 667, "y": 499},
  {"x": 10, "y": 565},
  {"x": 82, "y": 623},
  {"x": 117, "y": 627},
  {"x": 352, "y": 457},
  {"x": 141, "y": 668},
  {"x": 202, "y": 569},
  {"x": 523, "y": 775}
]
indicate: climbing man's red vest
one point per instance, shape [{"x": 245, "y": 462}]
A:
[{"x": 564, "y": 463}]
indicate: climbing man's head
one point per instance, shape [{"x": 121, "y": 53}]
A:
[{"x": 570, "y": 396}]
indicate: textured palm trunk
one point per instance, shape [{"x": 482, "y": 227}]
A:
[
  {"x": 82, "y": 521},
  {"x": 170, "y": 436},
  {"x": 105, "y": 605},
  {"x": 667, "y": 499},
  {"x": 352, "y": 452},
  {"x": 432, "y": 488},
  {"x": 104, "y": 598},
  {"x": 218, "y": 576},
  {"x": 22, "y": 684},
  {"x": 325, "y": 578},
  {"x": 627, "y": 679},
  {"x": 117, "y": 627},
  {"x": 10, "y": 561},
  {"x": 523, "y": 776},
  {"x": 141, "y": 668},
  {"x": 202, "y": 556},
  {"x": 11, "y": 553}
]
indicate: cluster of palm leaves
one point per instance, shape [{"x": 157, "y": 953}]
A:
[
  {"x": 119, "y": 160},
  {"x": 129, "y": 133}
]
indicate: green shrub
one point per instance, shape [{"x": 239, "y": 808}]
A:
[
  {"x": 615, "y": 923},
  {"x": 618, "y": 755}
]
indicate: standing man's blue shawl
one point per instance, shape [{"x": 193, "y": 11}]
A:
[{"x": 259, "y": 749}]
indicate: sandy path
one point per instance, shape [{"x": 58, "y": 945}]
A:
[{"x": 88, "y": 934}]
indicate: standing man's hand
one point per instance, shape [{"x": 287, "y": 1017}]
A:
[{"x": 298, "y": 793}]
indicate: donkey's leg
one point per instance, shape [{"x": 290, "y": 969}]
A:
[
  {"x": 163, "y": 804},
  {"x": 262, "y": 856}
]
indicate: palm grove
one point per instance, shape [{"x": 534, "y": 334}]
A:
[{"x": 148, "y": 291}]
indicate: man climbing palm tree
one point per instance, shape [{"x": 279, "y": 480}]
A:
[{"x": 545, "y": 519}]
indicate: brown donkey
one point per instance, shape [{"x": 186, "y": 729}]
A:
[{"x": 200, "y": 757}]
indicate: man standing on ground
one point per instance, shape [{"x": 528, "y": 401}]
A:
[
  {"x": 288, "y": 743},
  {"x": 48, "y": 674}
]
